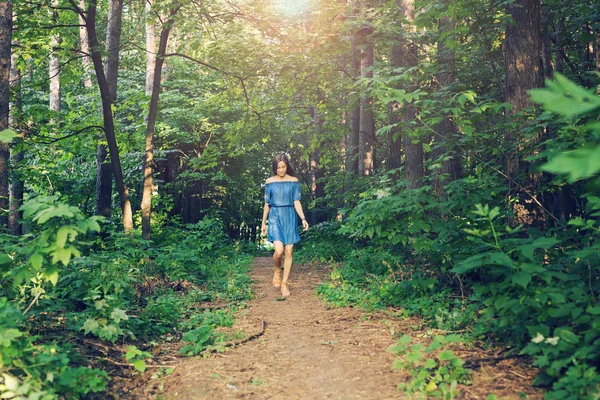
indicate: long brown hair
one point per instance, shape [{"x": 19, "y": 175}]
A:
[{"x": 282, "y": 157}]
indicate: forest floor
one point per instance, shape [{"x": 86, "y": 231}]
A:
[{"x": 302, "y": 349}]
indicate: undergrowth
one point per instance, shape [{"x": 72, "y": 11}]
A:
[
  {"x": 460, "y": 263},
  {"x": 181, "y": 286}
]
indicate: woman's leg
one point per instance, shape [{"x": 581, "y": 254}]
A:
[
  {"x": 277, "y": 256},
  {"x": 287, "y": 267}
]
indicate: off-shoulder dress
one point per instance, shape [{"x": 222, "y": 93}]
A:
[{"x": 283, "y": 221}]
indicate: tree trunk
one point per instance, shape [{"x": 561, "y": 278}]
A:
[
  {"x": 104, "y": 169},
  {"x": 445, "y": 132},
  {"x": 394, "y": 143},
  {"x": 16, "y": 155},
  {"x": 103, "y": 182},
  {"x": 366, "y": 147},
  {"x": 354, "y": 138},
  {"x": 109, "y": 127},
  {"x": 146, "y": 205},
  {"x": 150, "y": 48},
  {"x": 522, "y": 53},
  {"x": 113, "y": 44},
  {"x": 5, "y": 52},
  {"x": 54, "y": 71},
  {"x": 413, "y": 146},
  {"x": 547, "y": 43},
  {"x": 524, "y": 71},
  {"x": 558, "y": 53},
  {"x": 85, "y": 50}
]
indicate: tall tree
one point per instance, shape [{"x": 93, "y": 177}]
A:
[
  {"x": 85, "y": 49},
  {"x": 524, "y": 71},
  {"x": 352, "y": 158},
  {"x": 150, "y": 48},
  {"x": 111, "y": 71},
  {"x": 16, "y": 153},
  {"x": 146, "y": 205},
  {"x": 445, "y": 131},
  {"x": 109, "y": 126},
  {"x": 54, "y": 65},
  {"x": 366, "y": 145},
  {"x": 5, "y": 53},
  {"x": 413, "y": 146},
  {"x": 393, "y": 145},
  {"x": 113, "y": 46}
]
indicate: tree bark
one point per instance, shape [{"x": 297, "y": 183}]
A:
[
  {"x": 5, "y": 53},
  {"x": 524, "y": 71},
  {"x": 394, "y": 143},
  {"x": 352, "y": 159},
  {"x": 86, "y": 61},
  {"x": 109, "y": 127},
  {"x": 103, "y": 182},
  {"x": 54, "y": 69},
  {"x": 413, "y": 146},
  {"x": 16, "y": 154},
  {"x": 366, "y": 148},
  {"x": 150, "y": 48},
  {"x": 146, "y": 205},
  {"x": 445, "y": 131},
  {"x": 104, "y": 169},
  {"x": 113, "y": 44},
  {"x": 316, "y": 173}
]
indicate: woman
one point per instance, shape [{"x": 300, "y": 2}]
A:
[{"x": 282, "y": 202}]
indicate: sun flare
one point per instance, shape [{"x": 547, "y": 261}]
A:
[{"x": 292, "y": 8}]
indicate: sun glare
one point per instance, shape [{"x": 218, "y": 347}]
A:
[{"x": 292, "y": 8}]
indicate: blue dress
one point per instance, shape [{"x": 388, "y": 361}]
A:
[{"x": 283, "y": 222}]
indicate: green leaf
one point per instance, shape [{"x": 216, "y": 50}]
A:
[
  {"x": 36, "y": 260},
  {"x": 139, "y": 365},
  {"x": 51, "y": 274},
  {"x": 577, "y": 164},
  {"x": 470, "y": 263},
  {"x": 501, "y": 259},
  {"x": 446, "y": 355},
  {"x": 521, "y": 278},
  {"x": 8, "y": 335},
  {"x": 414, "y": 356},
  {"x": 7, "y": 135},
  {"x": 564, "y": 97},
  {"x": 90, "y": 325},
  {"x": 118, "y": 315},
  {"x": 430, "y": 363},
  {"x": 132, "y": 351}
]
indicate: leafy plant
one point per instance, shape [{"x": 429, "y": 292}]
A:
[
  {"x": 198, "y": 339},
  {"x": 435, "y": 369}
]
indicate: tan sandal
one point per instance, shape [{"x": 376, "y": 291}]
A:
[
  {"x": 285, "y": 291},
  {"x": 277, "y": 279}
]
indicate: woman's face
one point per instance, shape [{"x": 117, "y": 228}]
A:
[{"x": 281, "y": 169}]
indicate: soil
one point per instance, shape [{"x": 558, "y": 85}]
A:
[{"x": 302, "y": 349}]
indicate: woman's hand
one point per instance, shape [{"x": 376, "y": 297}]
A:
[
  {"x": 305, "y": 225},
  {"x": 263, "y": 229}
]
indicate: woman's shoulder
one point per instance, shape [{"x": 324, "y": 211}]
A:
[{"x": 275, "y": 179}]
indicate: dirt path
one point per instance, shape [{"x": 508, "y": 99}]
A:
[
  {"x": 310, "y": 352},
  {"x": 306, "y": 352}
]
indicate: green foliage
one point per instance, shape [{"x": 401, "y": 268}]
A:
[
  {"x": 55, "y": 227},
  {"x": 323, "y": 243},
  {"x": 137, "y": 357},
  {"x": 435, "y": 369},
  {"x": 29, "y": 369},
  {"x": 198, "y": 339}
]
